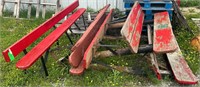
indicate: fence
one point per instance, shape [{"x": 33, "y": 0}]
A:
[{"x": 94, "y": 4}]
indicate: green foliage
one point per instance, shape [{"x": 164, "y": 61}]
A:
[
  {"x": 189, "y": 3},
  {"x": 24, "y": 11},
  {"x": 184, "y": 38},
  {"x": 89, "y": 9}
]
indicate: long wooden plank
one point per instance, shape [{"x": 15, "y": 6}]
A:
[
  {"x": 163, "y": 37},
  {"x": 182, "y": 72},
  {"x": 82, "y": 44},
  {"x": 89, "y": 52},
  {"x": 133, "y": 27},
  {"x": 24, "y": 42},
  {"x": 135, "y": 40},
  {"x": 129, "y": 25},
  {"x": 33, "y": 55}
]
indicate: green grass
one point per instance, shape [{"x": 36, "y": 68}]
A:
[
  {"x": 189, "y": 3},
  {"x": 12, "y": 30}
]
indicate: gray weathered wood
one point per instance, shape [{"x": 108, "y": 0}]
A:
[
  {"x": 29, "y": 9},
  {"x": 9, "y": 1},
  {"x": 2, "y": 7},
  {"x": 49, "y": 4},
  {"x": 18, "y": 8},
  {"x": 38, "y": 9},
  {"x": 58, "y": 6},
  {"x": 15, "y": 9},
  {"x": 30, "y": 2},
  {"x": 44, "y": 8}
]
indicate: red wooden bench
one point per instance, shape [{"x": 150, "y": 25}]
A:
[
  {"x": 33, "y": 55},
  {"x": 133, "y": 27},
  {"x": 80, "y": 57},
  {"x": 163, "y": 34}
]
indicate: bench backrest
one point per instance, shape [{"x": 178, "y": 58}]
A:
[
  {"x": 88, "y": 54},
  {"x": 27, "y": 40},
  {"x": 36, "y": 52},
  {"x": 133, "y": 26},
  {"x": 82, "y": 44}
]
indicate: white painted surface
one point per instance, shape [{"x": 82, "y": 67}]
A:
[{"x": 94, "y": 4}]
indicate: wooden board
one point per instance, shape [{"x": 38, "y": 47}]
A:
[
  {"x": 133, "y": 27},
  {"x": 153, "y": 55},
  {"x": 90, "y": 51},
  {"x": 135, "y": 40},
  {"x": 163, "y": 35},
  {"x": 129, "y": 26},
  {"x": 180, "y": 68},
  {"x": 82, "y": 44}
]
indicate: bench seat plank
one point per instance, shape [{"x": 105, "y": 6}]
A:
[
  {"x": 135, "y": 40},
  {"x": 182, "y": 72},
  {"x": 39, "y": 49},
  {"x": 133, "y": 27},
  {"x": 163, "y": 35},
  {"x": 81, "y": 45},
  {"x": 129, "y": 25},
  {"x": 27, "y": 40}
]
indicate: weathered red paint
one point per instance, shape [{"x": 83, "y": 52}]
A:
[
  {"x": 133, "y": 27},
  {"x": 163, "y": 34},
  {"x": 182, "y": 72},
  {"x": 129, "y": 26},
  {"x": 153, "y": 55},
  {"x": 36, "y": 52},
  {"x": 178, "y": 2},
  {"x": 82, "y": 44},
  {"x": 78, "y": 70},
  {"x": 135, "y": 40},
  {"x": 89, "y": 52},
  {"x": 27, "y": 40}
]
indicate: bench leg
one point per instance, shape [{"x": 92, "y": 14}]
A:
[
  {"x": 77, "y": 26},
  {"x": 71, "y": 31},
  {"x": 69, "y": 38},
  {"x": 44, "y": 66},
  {"x": 84, "y": 22},
  {"x": 46, "y": 55},
  {"x": 57, "y": 42}
]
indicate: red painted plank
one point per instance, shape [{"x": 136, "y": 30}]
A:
[
  {"x": 182, "y": 72},
  {"x": 32, "y": 56},
  {"x": 24, "y": 42},
  {"x": 89, "y": 52},
  {"x": 78, "y": 70},
  {"x": 135, "y": 40},
  {"x": 133, "y": 27},
  {"x": 81, "y": 45},
  {"x": 163, "y": 36},
  {"x": 129, "y": 26}
]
